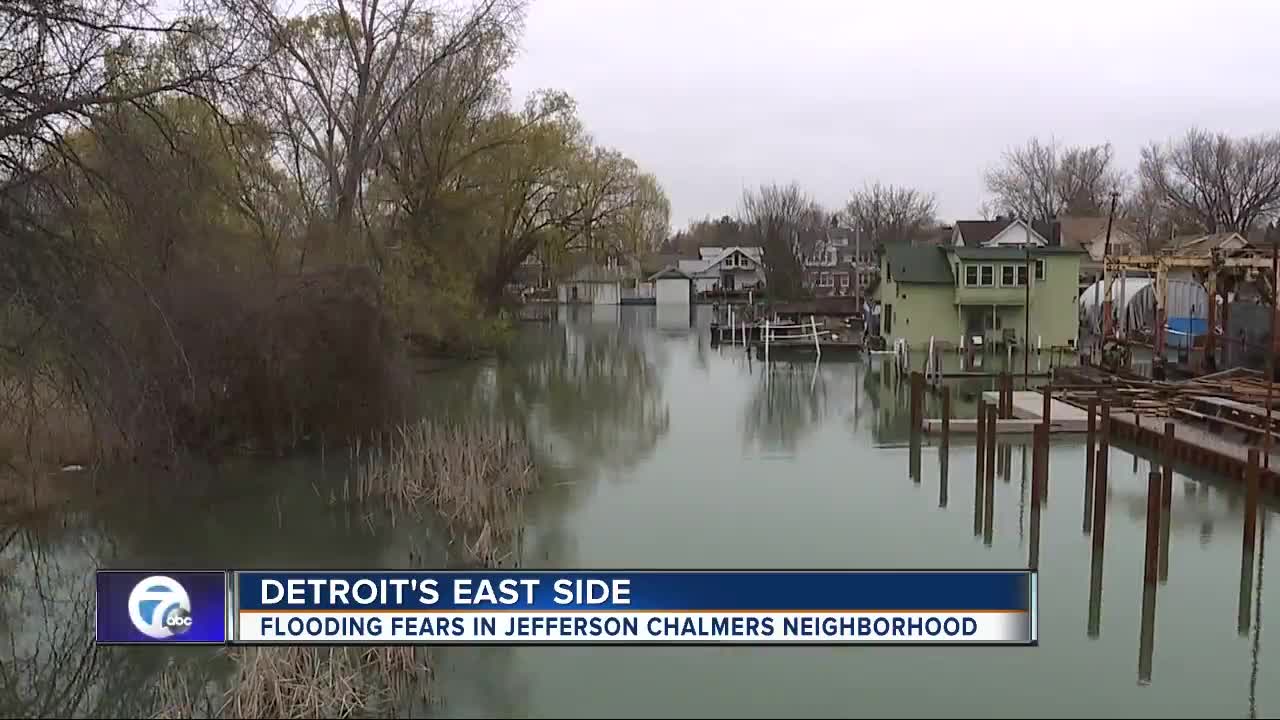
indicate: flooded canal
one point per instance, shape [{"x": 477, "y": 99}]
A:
[{"x": 660, "y": 451}]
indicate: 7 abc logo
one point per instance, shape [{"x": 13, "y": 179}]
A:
[{"x": 160, "y": 608}]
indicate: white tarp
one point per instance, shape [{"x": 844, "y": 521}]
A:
[{"x": 1135, "y": 303}]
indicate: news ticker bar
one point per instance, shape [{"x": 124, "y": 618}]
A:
[{"x": 853, "y": 607}]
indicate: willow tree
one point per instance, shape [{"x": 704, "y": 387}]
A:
[{"x": 336, "y": 79}]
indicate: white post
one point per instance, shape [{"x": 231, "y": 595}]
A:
[
  {"x": 817, "y": 347},
  {"x": 1038, "y": 339},
  {"x": 730, "y": 323},
  {"x": 766, "y": 342}
]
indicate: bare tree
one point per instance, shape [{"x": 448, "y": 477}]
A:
[
  {"x": 1040, "y": 180},
  {"x": 890, "y": 213},
  {"x": 1024, "y": 182},
  {"x": 1224, "y": 183},
  {"x": 338, "y": 77},
  {"x": 1086, "y": 180},
  {"x": 785, "y": 221},
  {"x": 1147, "y": 212}
]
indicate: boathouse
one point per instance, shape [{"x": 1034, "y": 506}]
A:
[
  {"x": 593, "y": 285},
  {"x": 672, "y": 287}
]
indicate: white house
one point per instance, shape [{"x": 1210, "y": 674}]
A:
[
  {"x": 672, "y": 287},
  {"x": 725, "y": 268},
  {"x": 593, "y": 285}
]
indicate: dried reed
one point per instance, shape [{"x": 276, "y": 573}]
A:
[
  {"x": 476, "y": 474},
  {"x": 299, "y": 682}
]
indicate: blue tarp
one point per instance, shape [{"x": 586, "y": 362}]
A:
[{"x": 1181, "y": 331}]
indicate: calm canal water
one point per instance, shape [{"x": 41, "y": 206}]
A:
[{"x": 661, "y": 451}]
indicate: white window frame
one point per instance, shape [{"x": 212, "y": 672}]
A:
[
  {"x": 977, "y": 275},
  {"x": 1019, "y": 271},
  {"x": 984, "y": 271},
  {"x": 824, "y": 280}
]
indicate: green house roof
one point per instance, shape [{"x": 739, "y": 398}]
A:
[{"x": 925, "y": 264}]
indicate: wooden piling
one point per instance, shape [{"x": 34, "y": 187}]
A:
[
  {"x": 1048, "y": 403},
  {"x": 1251, "y": 500},
  {"x": 1033, "y": 554},
  {"x": 1099, "y": 523},
  {"x": 946, "y": 415},
  {"x": 917, "y": 384},
  {"x": 1090, "y": 439},
  {"x": 989, "y": 492},
  {"x": 982, "y": 439},
  {"x": 1089, "y": 458},
  {"x": 1166, "y": 500},
  {"x": 1151, "y": 568},
  {"x": 1044, "y": 464},
  {"x": 1100, "y": 475},
  {"x": 978, "y": 479},
  {"x": 1247, "y": 547},
  {"x": 944, "y": 461},
  {"x": 1147, "y": 633}
]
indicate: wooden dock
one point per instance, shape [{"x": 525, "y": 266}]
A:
[
  {"x": 1028, "y": 408},
  {"x": 1193, "y": 444}
]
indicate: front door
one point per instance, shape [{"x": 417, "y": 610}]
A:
[{"x": 975, "y": 321}]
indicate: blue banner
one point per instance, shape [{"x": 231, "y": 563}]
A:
[
  {"x": 724, "y": 591},
  {"x": 158, "y": 607}
]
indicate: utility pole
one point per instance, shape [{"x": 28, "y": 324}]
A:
[
  {"x": 1106, "y": 248},
  {"x": 1106, "y": 253}
]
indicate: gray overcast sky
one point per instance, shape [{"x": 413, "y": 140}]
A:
[{"x": 714, "y": 95}]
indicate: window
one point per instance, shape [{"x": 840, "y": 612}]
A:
[
  {"x": 988, "y": 275},
  {"x": 1039, "y": 269},
  {"x": 1013, "y": 275},
  {"x": 971, "y": 275},
  {"x": 826, "y": 280},
  {"x": 843, "y": 279}
]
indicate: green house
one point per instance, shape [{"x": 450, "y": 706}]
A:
[{"x": 952, "y": 294}]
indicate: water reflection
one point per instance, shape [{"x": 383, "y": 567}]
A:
[
  {"x": 599, "y": 390},
  {"x": 590, "y": 389}
]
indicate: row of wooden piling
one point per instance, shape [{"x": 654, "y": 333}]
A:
[
  {"x": 1099, "y": 436},
  {"x": 1097, "y": 448}
]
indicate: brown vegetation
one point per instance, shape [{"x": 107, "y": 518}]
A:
[
  {"x": 300, "y": 682},
  {"x": 474, "y": 474}
]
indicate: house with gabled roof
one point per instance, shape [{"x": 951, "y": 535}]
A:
[
  {"x": 727, "y": 269},
  {"x": 994, "y": 280}
]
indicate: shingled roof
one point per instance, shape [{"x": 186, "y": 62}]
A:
[{"x": 918, "y": 264}]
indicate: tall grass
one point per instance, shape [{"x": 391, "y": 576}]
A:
[
  {"x": 474, "y": 473},
  {"x": 299, "y": 682}
]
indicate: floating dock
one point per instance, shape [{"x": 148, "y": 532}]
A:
[{"x": 1028, "y": 409}]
